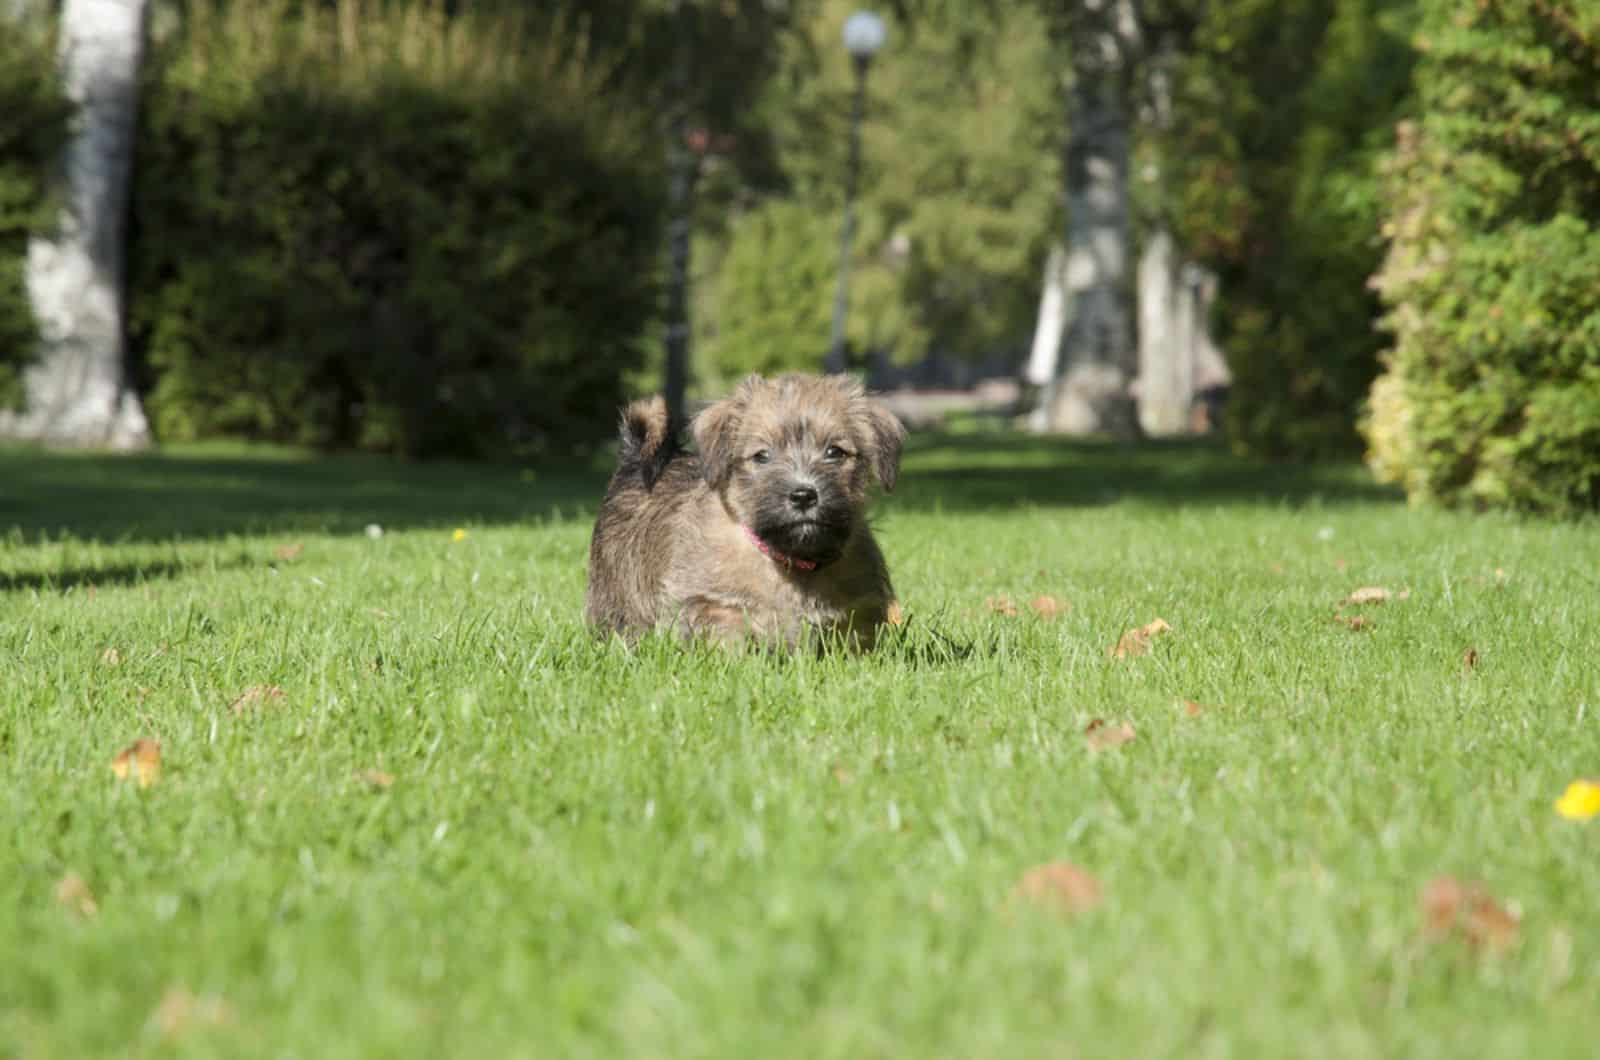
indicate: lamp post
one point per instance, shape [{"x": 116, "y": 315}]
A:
[{"x": 864, "y": 34}]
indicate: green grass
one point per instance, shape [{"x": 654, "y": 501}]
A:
[{"x": 591, "y": 852}]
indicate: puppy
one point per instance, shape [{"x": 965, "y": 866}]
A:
[{"x": 760, "y": 534}]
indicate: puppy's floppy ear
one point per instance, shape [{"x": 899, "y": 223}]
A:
[
  {"x": 884, "y": 436},
  {"x": 716, "y": 435}
]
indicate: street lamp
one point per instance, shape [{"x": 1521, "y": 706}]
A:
[{"x": 864, "y": 34}]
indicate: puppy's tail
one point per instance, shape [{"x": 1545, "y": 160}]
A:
[{"x": 649, "y": 439}]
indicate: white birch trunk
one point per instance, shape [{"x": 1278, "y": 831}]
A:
[
  {"x": 1054, "y": 305},
  {"x": 76, "y": 392},
  {"x": 1166, "y": 323},
  {"x": 1091, "y": 393}
]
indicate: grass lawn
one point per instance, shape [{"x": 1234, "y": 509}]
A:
[{"x": 591, "y": 852}]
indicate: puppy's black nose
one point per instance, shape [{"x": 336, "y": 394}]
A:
[{"x": 804, "y": 498}]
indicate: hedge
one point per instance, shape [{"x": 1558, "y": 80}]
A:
[{"x": 379, "y": 226}]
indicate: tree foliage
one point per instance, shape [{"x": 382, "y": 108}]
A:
[
  {"x": 1268, "y": 175},
  {"x": 959, "y": 193},
  {"x": 1492, "y": 281},
  {"x": 381, "y": 226},
  {"x": 33, "y": 124}
]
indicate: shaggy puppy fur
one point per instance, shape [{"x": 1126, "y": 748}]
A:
[{"x": 762, "y": 533}]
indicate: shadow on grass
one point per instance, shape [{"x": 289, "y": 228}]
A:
[
  {"x": 214, "y": 492},
  {"x": 995, "y": 471},
  {"x": 209, "y": 493},
  {"x": 90, "y": 577}
]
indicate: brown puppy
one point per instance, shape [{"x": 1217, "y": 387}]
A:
[{"x": 763, "y": 533}]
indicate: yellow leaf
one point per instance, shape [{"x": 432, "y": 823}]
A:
[
  {"x": 1137, "y": 641},
  {"x": 1581, "y": 800},
  {"x": 458, "y": 535},
  {"x": 140, "y": 761}
]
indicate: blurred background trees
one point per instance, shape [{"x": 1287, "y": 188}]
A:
[{"x": 435, "y": 227}]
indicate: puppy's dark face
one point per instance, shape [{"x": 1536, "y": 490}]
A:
[{"x": 795, "y": 458}]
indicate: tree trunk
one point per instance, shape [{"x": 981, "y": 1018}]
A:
[
  {"x": 1165, "y": 329},
  {"x": 77, "y": 392},
  {"x": 1054, "y": 304},
  {"x": 1091, "y": 392}
]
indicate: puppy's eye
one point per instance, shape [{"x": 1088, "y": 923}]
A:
[
  {"x": 833, "y": 452},
  {"x": 761, "y": 456}
]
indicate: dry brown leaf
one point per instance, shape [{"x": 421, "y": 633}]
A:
[
  {"x": 111, "y": 657},
  {"x": 74, "y": 895},
  {"x": 1061, "y": 887},
  {"x": 894, "y": 615},
  {"x": 290, "y": 553},
  {"x": 1137, "y": 641},
  {"x": 1469, "y": 659},
  {"x": 1358, "y": 623},
  {"x": 255, "y": 697},
  {"x": 140, "y": 761},
  {"x": 1369, "y": 594},
  {"x": 181, "y": 1011},
  {"x": 1001, "y": 605},
  {"x": 1102, "y": 736},
  {"x": 1191, "y": 708},
  {"x": 1048, "y": 606},
  {"x": 1451, "y": 907},
  {"x": 376, "y": 778}
]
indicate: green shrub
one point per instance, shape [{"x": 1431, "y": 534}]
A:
[
  {"x": 378, "y": 226},
  {"x": 1285, "y": 107},
  {"x": 1493, "y": 274},
  {"x": 33, "y": 122}
]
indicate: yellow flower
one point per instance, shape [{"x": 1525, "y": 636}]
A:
[
  {"x": 459, "y": 535},
  {"x": 1581, "y": 801}
]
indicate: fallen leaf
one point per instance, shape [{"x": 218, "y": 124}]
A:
[
  {"x": 1059, "y": 886},
  {"x": 458, "y": 535},
  {"x": 1581, "y": 800},
  {"x": 1276, "y": 568},
  {"x": 290, "y": 553},
  {"x": 1370, "y": 594},
  {"x": 1341, "y": 565},
  {"x": 1191, "y": 708},
  {"x": 111, "y": 657},
  {"x": 1469, "y": 660},
  {"x": 74, "y": 895},
  {"x": 254, "y": 697},
  {"x": 376, "y": 778},
  {"x": 1355, "y": 622},
  {"x": 1001, "y": 605},
  {"x": 1451, "y": 907},
  {"x": 894, "y": 615},
  {"x": 181, "y": 1011},
  {"x": 1048, "y": 606},
  {"x": 1137, "y": 641},
  {"x": 140, "y": 761},
  {"x": 1102, "y": 736}
]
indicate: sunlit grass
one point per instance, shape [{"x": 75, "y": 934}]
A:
[{"x": 586, "y": 851}]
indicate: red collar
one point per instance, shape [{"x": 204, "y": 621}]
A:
[{"x": 792, "y": 562}]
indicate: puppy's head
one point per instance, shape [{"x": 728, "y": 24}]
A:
[{"x": 795, "y": 458}]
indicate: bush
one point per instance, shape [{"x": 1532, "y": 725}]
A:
[
  {"x": 378, "y": 226},
  {"x": 1494, "y": 263},
  {"x": 1286, "y": 108},
  {"x": 33, "y": 124}
]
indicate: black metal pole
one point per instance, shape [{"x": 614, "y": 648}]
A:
[
  {"x": 841, "y": 298},
  {"x": 683, "y": 166}
]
